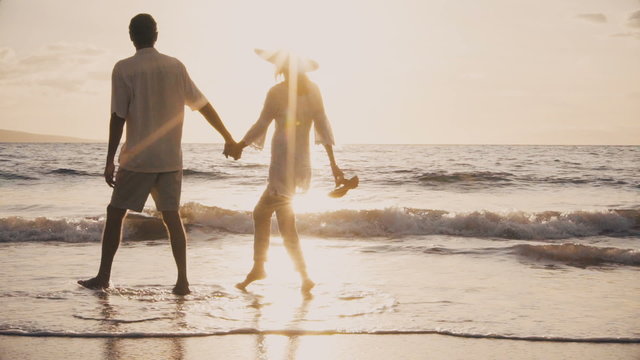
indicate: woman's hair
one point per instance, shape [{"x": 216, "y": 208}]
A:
[{"x": 304, "y": 83}]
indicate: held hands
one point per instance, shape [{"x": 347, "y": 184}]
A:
[
  {"x": 233, "y": 149},
  {"x": 109, "y": 171},
  {"x": 228, "y": 148}
]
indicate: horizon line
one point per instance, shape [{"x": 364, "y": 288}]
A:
[{"x": 65, "y": 139}]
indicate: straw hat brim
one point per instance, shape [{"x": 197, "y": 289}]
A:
[{"x": 281, "y": 59}]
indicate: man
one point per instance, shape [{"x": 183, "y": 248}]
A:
[{"x": 149, "y": 92}]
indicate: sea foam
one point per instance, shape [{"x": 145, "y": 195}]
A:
[
  {"x": 298, "y": 332},
  {"x": 390, "y": 222}
]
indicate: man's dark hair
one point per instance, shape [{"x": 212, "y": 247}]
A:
[{"x": 143, "y": 30}]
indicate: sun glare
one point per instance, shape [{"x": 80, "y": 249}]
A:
[{"x": 313, "y": 201}]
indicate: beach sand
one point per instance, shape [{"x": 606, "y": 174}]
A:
[{"x": 370, "y": 347}]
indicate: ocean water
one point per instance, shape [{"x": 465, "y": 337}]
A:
[{"x": 515, "y": 242}]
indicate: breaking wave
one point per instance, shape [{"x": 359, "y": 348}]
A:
[
  {"x": 407, "y": 221},
  {"x": 464, "y": 177},
  {"x": 204, "y": 174},
  {"x": 390, "y": 222},
  {"x": 72, "y": 172},
  {"x": 490, "y": 178},
  {"x": 579, "y": 255},
  {"x": 41, "y": 229},
  {"x": 12, "y": 176}
]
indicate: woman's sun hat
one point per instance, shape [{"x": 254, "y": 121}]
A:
[{"x": 283, "y": 60}]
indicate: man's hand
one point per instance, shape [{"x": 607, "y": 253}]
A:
[
  {"x": 228, "y": 149},
  {"x": 338, "y": 175},
  {"x": 109, "y": 171}
]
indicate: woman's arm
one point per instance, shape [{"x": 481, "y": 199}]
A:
[
  {"x": 324, "y": 134},
  {"x": 256, "y": 135},
  {"x": 338, "y": 175},
  {"x": 258, "y": 132}
]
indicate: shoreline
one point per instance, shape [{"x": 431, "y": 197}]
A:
[
  {"x": 272, "y": 346},
  {"x": 296, "y": 333}
]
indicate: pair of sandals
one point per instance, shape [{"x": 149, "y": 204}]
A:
[{"x": 344, "y": 186}]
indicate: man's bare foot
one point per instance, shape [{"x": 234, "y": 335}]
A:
[
  {"x": 253, "y": 275},
  {"x": 307, "y": 285},
  {"x": 94, "y": 283},
  {"x": 181, "y": 289}
]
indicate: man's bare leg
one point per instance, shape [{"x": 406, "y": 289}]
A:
[
  {"x": 178, "y": 239},
  {"x": 110, "y": 242}
]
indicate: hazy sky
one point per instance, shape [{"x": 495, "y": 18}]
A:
[{"x": 402, "y": 71}]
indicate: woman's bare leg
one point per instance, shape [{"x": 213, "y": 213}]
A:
[
  {"x": 287, "y": 225},
  {"x": 262, "y": 233}
]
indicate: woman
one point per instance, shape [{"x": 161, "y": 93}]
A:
[{"x": 295, "y": 104}]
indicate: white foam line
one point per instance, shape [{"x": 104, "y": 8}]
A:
[
  {"x": 292, "y": 332},
  {"x": 123, "y": 321}
]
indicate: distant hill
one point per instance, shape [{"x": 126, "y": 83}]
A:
[{"x": 25, "y": 137}]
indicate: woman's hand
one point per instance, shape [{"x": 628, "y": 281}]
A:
[{"x": 338, "y": 175}]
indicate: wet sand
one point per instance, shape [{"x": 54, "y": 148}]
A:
[{"x": 370, "y": 347}]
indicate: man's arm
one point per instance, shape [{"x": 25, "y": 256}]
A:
[
  {"x": 338, "y": 176},
  {"x": 213, "y": 118},
  {"x": 116, "y": 125}
]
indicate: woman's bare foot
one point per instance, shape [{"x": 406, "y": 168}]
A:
[
  {"x": 181, "y": 289},
  {"x": 257, "y": 273},
  {"x": 94, "y": 283},
  {"x": 307, "y": 285}
]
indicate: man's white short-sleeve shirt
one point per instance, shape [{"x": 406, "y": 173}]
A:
[{"x": 149, "y": 90}]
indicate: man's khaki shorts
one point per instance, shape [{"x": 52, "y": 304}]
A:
[{"x": 133, "y": 188}]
